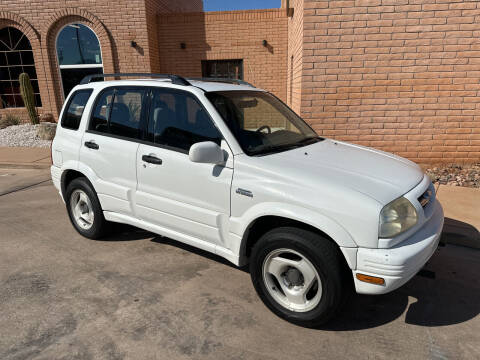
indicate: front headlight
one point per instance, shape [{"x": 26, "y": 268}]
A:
[{"x": 397, "y": 217}]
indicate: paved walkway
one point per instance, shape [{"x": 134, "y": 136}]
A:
[
  {"x": 462, "y": 215},
  {"x": 24, "y": 157}
]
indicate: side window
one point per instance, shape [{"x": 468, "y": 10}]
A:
[
  {"x": 126, "y": 114},
  {"x": 74, "y": 110},
  {"x": 99, "y": 120},
  {"x": 178, "y": 120}
]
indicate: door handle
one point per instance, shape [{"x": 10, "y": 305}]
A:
[
  {"x": 152, "y": 159},
  {"x": 92, "y": 145}
]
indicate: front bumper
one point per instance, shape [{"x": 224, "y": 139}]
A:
[{"x": 401, "y": 262}]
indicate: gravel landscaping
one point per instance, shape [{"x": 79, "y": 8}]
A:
[
  {"x": 456, "y": 175},
  {"x": 22, "y": 135}
]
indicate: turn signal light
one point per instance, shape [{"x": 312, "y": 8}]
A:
[{"x": 370, "y": 279}]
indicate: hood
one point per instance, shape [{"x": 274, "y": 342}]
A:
[{"x": 376, "y": 174}]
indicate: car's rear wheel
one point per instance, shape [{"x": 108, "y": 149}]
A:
[
  {"x": 299, "y": 275},
  {"x": 84, "y": 209}
]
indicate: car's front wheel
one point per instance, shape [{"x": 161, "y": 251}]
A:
[
  {"x": 299, "y": 275},
  {"x": 84, "y": 209}
]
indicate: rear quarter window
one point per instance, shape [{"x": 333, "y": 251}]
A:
[{"x": 74, "y": 109}]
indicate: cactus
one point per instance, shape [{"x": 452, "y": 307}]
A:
[{"x": 26, "y": 90}]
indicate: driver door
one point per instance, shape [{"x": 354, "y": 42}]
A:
[{"x": 182, "y": 197}]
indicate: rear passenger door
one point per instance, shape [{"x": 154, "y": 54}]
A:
[
  {"x": 110, "y": 145},
  {"x": 186, "y": 198}
]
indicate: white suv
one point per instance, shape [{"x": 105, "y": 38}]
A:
[{"x": 229, "y": 168}]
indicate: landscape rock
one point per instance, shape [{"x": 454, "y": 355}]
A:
[
  {"x": 22, "y": 135},
  {"x": 46, "y": 130}
]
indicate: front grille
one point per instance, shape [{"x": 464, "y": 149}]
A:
[{"x": 427, "y": 197}]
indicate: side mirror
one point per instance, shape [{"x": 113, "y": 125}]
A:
[{"x": 206, "y": 152}]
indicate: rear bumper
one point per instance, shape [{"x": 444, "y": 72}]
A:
[
  {"x": 400, "y": 263},
  {"x": 56, "y": 173}
]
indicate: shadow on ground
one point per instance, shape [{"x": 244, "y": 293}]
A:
[
  {"x": 452, "y": 296},
  {"x": 460, "y": 233}
]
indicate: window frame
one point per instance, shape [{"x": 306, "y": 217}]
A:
[
  {"x": 98, "y": 66},
  {"x": 151, "y": 142},
  {"x": 18, "y": 102},
  {"x": 67, "y": 106},
  {"x": 143, "y": 139},
  {"x": 143, "y": 116},
  {"x": 208, "y": 62}
]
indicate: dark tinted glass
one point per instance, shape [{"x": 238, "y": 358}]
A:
[
  {"x": 73, "y": 113},
  {"x": 178, "y": 120},
  {"x": 126, "y": 114},
  {"x": 73, "y": 77},
  {"x": 99, "y": 120},
  {"x": 16, "y": 57},
  {"x": 78, "y": 44}
]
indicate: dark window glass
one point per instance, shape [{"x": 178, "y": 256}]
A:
[
  {"x": 99, "y": 120},
  {"x": 78, "y": 45},
  {"x": 126, "y": 114},
  {"x": 72, "y": 77},
  {"x": 16, "y": 57},
  {"x": 3, "y": 59},
  {"x": 178, "y": 120},
  {"x": 229, "y": 69},
  {"x": 73, "y": 113},
  {"x": 27, "y": 58},
  {"x": 13, "y": 58},
  {"x": 35, "y": 86}
]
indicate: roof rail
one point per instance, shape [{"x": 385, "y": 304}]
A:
[
  {"x": 177, "y": 80},
  {"x": 224, "y": 80}
]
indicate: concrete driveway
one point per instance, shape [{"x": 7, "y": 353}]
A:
[{"x": 141, "y": 296}]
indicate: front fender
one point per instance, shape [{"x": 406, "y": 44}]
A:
[{"x": 240, "y": 225}]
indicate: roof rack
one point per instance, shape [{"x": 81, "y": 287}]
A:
[
  {"x": 177, "y": 80},
  {"x": 223, "y": 80}
]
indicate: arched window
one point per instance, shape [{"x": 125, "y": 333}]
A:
[
  {"x": 16, "y": 56},
  {"x": 78, "y": 53}
]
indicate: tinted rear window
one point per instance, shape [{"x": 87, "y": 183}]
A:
[{"x": 74, "y": 110}]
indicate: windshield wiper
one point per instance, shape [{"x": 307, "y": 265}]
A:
[
  {"x": 268, "y": 149},
  {"x": 309, "y": 140}
]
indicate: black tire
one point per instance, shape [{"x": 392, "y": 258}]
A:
[
  {"x": 99, "y": 226},
  {"x": 323, "y": 254}
]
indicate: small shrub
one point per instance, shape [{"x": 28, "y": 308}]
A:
[{"x": 9, "y": 120}]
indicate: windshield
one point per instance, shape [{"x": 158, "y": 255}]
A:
[{"x": 261, "y": 123}]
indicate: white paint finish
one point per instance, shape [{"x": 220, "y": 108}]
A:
[
  {"x": 179, "y": 236},
  {"x": 333, "y": 186},
  {"x": 114, "y": 165},
  {"x": 196, "y": 195}
]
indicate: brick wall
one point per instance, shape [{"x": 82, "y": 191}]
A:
[
  {"x": 399, "y": 75},
  {"x": 155, "y": 7},
  {"x": 227, "y": 35},
  {"x": 116, "y": 25},
  {"x": 295, "y": 55}
]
